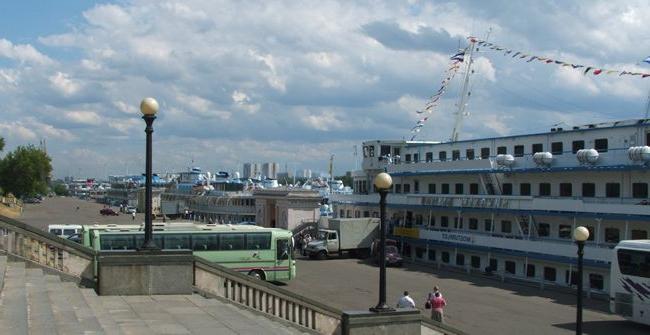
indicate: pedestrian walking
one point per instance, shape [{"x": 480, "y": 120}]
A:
[
  {"x": 405, "y": 301},
  {"x": 437, "y": 305},
  {"x": 132, "y": 216}
]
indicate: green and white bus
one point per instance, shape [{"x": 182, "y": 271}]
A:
[{"x": 265, "y": 253}]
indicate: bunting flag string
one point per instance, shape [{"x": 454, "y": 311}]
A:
[
  {"x": 433, "y": 101},
  {"x": 593, "y": 70}
]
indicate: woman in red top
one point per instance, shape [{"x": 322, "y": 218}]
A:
[{"x": 437, "y": 305}]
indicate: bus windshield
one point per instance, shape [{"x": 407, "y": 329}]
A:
[{"x": 634, "y": 262}]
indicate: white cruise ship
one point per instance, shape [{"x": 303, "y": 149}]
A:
[{"x": 508, "y": 205}]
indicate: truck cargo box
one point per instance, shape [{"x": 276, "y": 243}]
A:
[{"x": 355, "y": 233}]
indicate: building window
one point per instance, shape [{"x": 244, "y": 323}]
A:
[
  {"x": 460, "y": 259},
  {"x": 566, "y": 189},
  {"x": 543, "y": 230},
  {"x": 511, "y": 267},
  {"x": 398, "y": 188},
  {"x": 564, "y": 231},
  {"x": 407, "y": 158},
  {"x": 445, "y": 188},
  {"x": 459, "y": 188},
  {"x": 432, "y": 255},
  {"x": 524, "y": 189},
  {"x": 519, "y": 151},
  {"x": 487, "y": 224},
  {"x": 445, "y": 257},
  {"x": 639, "y": 190},
  {"x": 432, "y": 188},
  {"x": 596, "y": 281},
  {"x": 577, "y": 145},
  {"x": 444, "y": 221},
  {"x": 407, "y": 188},
  {"x": 556, "y": 148},
  {"x": 476, "y": 262},
  {"x": 600, "y": 145},
  {"x": 502, "y": 150},
  {"x": 639, "y": 234},
  {"x": 549, "y": 273},
  {"x": 469, "y": 153},
  {"x": 428, "y": 157},
  {"x": 544, "y": 189},
  {"x": 485, "y": 153},
  {"x": 612, "y": 190},
  {"x": 494, "y": 264},
  {"x": 455, "y": 155},
  {"x": 442, "y": 156},
  {"x": 530, "y": 270},
  {"x": 612, "y": 235},
  {"x": 538, "y": 147},
  {"x": 588, "y": 190},
  {"x": 473, "y": 188},
  {"x": 506, "y": 227},
  {"x": 507, "y": 189},
  {"x": 473, "y": 223},
  {"x": 416, "y": 186}
]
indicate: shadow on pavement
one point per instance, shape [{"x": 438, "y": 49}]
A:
[{"x": 608, "y": 327}]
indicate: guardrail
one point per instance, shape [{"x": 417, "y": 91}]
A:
[{"x": 33, "y": 244}]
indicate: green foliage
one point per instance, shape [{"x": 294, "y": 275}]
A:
[
  {"x": 2, "y": 143},
  {"x": 25, "y": 171},
  {"x": 347, "y": 180},
  {"x": 60, "y": 189}
]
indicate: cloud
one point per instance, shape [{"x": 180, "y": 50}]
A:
[
  {"x": 62, "y": 83},
  {"x": 84, "y": 117},
  {"x": 392, "y": 36},
  {"x": 24, "y": 53}
]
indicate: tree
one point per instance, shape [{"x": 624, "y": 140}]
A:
[
  {"x": 2, "y": 143},
  {"x": 25, "y": 171},
  {"x": 60, "y": 189}
]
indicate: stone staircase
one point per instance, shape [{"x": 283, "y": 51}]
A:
[{"x": 32, "y": 302}]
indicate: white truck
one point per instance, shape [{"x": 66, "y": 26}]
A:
[{"x": 354, "y": 236}]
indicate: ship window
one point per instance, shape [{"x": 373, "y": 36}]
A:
[
  {"x": 469, "y": 153},
  {"x": 571, "y": 277},
  {"x": 564, "y": 231},
  {"x": 524, "y": 189},
  {"x": 456, "y": 224},
  {"x": 365, "y": 151},
  {"x": 549, "y": 273},
  {"x": 494, "y": 264},
  {"x": 519, "y": 151},
  {"x": 473, "y": 223},
  {"x": 556, "y": 148},
  {"x": 488, "y": 224},
  {"x": 428, "y": 157},
  {"x": 489, "y": 189},
  {"x": 460, "y": 259},
  {"x": 600, "y": 145},
  {"x": 432, "y": 188},
  {"x": 445, "y": 189},
  {"x": 543, "y": 230},
  {"x": 473, "y": 188},
  {"x": 507, "y": 189},
  {"x": 588, "y": 190},
  {"x": 592, "y": 233},
  {"x": 371, "y": 151},
  {"x": 506, "y": 226},
  {"x": 432, "y": 255},
  {"x": 566, "y": 189},
  {"x": 444, "y": 221},
  {"x": 577, "y": 145},
  {"x": 432, "y": 221},
  {"x": 396, "y": 151},
  {"x": 407, "y": 158},
  {"x": 419, "y": 252},
  {"x": 384, "y": 150},
  {"x": 640, "y": 190},
  {"x": 366, "y": 214},
  {"x": 416, "y": 158},
  {"x": 634, "y": 263},
  {"x": 612, "y": 190},
  {"x": 398, "y": 188},
  {"x": 485, "y": 153},
  {"x": 416, "y": 186},
  {"x": 596, "y": 281},
  {"x": 612, "y": 235},
  {"x": 530, "y": 270},
  {"x": 459, "y": 188},
  {"x": 476, "y": 262},
  {"x": 357, "y": 214},
  {"x": 511, "y": 267},
  {"x": 442, "y": 156},
  {"x": 639, "y": 234},
  {"x": 407, "y": 188},
  {"x": 538, "y": 147},
  {"x": 502, "y": 150},
  {"x": 445, "y": 257},
  {"x": 544, "y": 189},
  {"x": 455, "y": 155}
]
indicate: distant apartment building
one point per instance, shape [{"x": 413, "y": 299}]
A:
[
  {"x": 251, "y": 170},
  {"x": 305, "y": 173},
  {"x": 270, "y": 170}
]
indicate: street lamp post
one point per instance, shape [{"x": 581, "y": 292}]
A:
[
  {"x": 149, "y": 108},
  {"x": 580, "y": 234},
  {"x": 382, "y": 182}
]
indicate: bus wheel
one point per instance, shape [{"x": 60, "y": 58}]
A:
[{"x": 257, "y": 274}]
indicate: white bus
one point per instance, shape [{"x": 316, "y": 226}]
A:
[
  {"x": 64, "y": 230},
  {"x": 630, "y": 281}
]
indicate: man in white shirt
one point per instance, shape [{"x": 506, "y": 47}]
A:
[{"x": 406, "y": 301}]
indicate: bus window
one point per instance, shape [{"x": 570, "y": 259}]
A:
[
  {"x": 231, "y": 242},
  {"x": 176, "y": 241},
  {"x": 117, "y": 242},
  {"x": 56, "y": 232},
  {"x": 258, "y": 241},
  {"x": 634, "y": 263},
  {"x": 205, "y": 242},
  {"x": 282, "y": 249},
  {"x": 157, "y": 240},
  {"x": 68, "y": 232}
]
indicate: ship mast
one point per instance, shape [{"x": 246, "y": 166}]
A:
[{"x": 465, "y": 93}]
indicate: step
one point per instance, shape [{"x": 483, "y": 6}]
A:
[
  {"x": 40, "y": 315},
  {"x": 85, "y": 315},
  {"x": 14, "y": 300},
  {"x": 65, "y": 319},
  {"x": 103, "y": 316},
  {"x": 3, "y": 266},
  {"x": 128, "y": 321}
]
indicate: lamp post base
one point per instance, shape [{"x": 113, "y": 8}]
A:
[
  {"x": 381, "y": 308},
  {"x": 149, "y": 246}
]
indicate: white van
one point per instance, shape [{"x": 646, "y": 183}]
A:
[{"x": 64, "y": 230}]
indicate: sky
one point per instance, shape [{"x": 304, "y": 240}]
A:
[{"x": 295, "y": 82}]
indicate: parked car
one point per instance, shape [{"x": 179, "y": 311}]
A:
[
  {"x": 108, "y": 211},
  {"x": 131, "y": 210}
]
